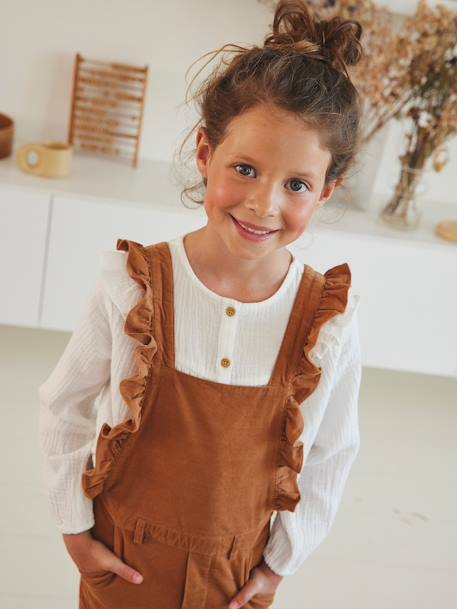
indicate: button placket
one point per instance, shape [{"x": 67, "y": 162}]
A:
[{"x": 227, "y": 336}]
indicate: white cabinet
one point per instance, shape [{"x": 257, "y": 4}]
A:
[
  {"x": 408, "y": 306},
  {"x": 80, "y": 230},
  {"x": 24, "y": 223}
]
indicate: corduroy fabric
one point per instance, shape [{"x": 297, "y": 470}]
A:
[{"x": 184, "y": 491}]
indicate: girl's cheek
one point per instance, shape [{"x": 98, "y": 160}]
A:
[
  {"x": 297, "y": 220},
  {"x": 222, "y": 197}
]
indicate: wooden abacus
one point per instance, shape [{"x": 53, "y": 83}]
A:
[{"x": 107, "y": 107}]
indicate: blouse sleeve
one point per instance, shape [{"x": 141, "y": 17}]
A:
[
  {"x": 67, "y": 417},
  {"x": 332, "y": 432}
]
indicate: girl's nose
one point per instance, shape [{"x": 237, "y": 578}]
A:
[
  {"x": 263, "y": 206},
  {"x": 264, "y": 203}
]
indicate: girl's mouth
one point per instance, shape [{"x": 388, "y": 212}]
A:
[{"x": 251, "y": 234}]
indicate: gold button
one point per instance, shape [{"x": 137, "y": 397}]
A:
[
  {"x": 225, "y": 362},
  {"x": 230, "y": 311}
]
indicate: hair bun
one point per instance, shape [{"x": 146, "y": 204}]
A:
[
  {"x": 336, "y": 41},
  {"x": 341, "y": 37}
]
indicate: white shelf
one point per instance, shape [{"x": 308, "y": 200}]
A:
[
  {"x": 337, "y": 215},
  {"x": 114, "y": 180},
  {"x": 151, "y": 186}
]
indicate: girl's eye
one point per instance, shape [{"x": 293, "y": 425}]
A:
[
  {"x": 242, "y": 165},
  {"x": 292, "y": 181},
  {"x": 300, "y": 182}
]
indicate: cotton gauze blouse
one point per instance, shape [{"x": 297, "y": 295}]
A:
[{"x": 82, "y": 391}]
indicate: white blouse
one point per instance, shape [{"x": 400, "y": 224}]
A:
[{"x": 82, "y": 391}]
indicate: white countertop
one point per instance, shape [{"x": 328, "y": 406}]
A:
[{"x": 153, "y": 185}]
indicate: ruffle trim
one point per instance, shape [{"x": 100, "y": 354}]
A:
[
  {"x": 123, "y": 291},
  {"x": 334, "y": 301},
  {"x": 138, "y": 325},
  {"x": 333, "y": 332}
]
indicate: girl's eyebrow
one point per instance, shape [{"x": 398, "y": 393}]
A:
[{"x": 302, "y": 174}]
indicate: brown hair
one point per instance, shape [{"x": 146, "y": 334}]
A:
[{"x": 301, "y": 68}]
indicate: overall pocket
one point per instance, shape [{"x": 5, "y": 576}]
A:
[
  {"x": 108, "y": 533},
  {"x": 260, "y": 601}
]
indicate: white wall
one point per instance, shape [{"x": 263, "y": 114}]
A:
[{"x": 39, "y": 41}]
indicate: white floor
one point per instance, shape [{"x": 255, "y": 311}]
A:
[{"x": 394, "y": 541}]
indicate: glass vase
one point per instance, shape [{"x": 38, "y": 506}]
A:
[{"x": 404, "y": 209}]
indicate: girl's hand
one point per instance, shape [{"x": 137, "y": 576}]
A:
[
  {"x": 262, "y": 580},
  {"x": 92, "y": 556}
]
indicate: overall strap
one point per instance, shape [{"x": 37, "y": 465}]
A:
[
  {"x": 320, "y": 297},
  {"x": 161, "y": 265},
  {"x": 300, "y": 322}
]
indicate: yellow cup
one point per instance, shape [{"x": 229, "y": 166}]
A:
[{"x": 51, "y": 160}]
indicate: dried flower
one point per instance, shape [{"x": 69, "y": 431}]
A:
[{"x": 408, "y": 72}]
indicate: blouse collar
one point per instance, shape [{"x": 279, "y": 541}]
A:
[{"x": 182, "y": 258}]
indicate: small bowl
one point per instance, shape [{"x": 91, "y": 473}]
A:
[{"x": 6, "y": 135}]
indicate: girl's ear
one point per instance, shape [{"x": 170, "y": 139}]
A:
[
  {"x": 203, "y": 152},
  {"x": 327, "y": 192}
]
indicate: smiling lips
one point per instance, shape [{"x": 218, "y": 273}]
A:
[{"x": 254, "y": 228}]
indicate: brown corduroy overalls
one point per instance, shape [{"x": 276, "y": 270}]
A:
[{"x": 184, "y": 490}]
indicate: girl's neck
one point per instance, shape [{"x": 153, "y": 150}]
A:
[{"x": 237, "y": 278}]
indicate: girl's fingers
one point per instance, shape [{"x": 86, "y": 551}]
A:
[
  {"x": 261, "y": 581},
  {"x": 252, "y": 587},
  {"x": 126, "y": 572},
  {"x": 103, "y": 560}
]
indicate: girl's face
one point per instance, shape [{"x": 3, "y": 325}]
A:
[{"x": 269, "y": 172}]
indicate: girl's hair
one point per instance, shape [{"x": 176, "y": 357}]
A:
[{"x": 301, "y": 68}]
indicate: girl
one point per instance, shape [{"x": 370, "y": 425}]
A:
[{"x": 221, "y": 362}]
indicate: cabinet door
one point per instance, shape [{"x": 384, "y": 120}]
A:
[
  {"x": 408, "y": 292},
  {"x": 24, "y": 220},
  {"x": 80, "y": 231}
]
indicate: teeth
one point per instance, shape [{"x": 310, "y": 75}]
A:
[{"x": 256, "y": 232}]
